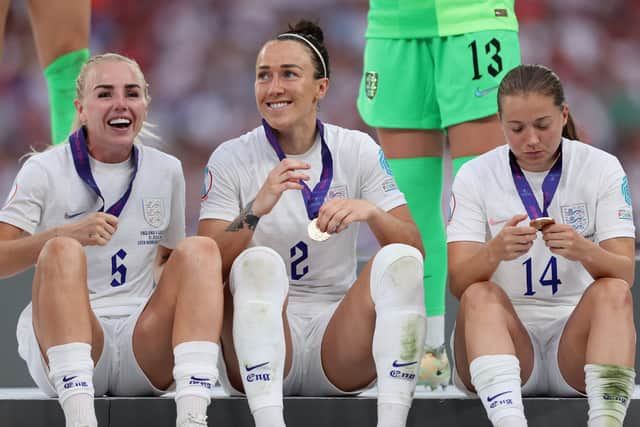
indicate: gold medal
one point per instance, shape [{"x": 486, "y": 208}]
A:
[
  {"x": 315, "y": 233},
  {"x": 541, "y": 222}
]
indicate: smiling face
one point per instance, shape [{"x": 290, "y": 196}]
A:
[
  {"x": 287, "y": 93},
  {"x": 113, "y": 106},
  {"x": 532, "y": 125}
]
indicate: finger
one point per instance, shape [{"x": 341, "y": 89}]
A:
[
  {"x": 109, "y": 228},
  {"x": 514, "y": 220},
  {"x": 335, "y": 222},
  {"x": 288, "y": 185},
  {"x": 293, "y": 176},
  {"x": 111, "y": 219},
  {"x": 344, "y": 224},
  {"x": 104, "y": 234},
  {"x": 290, "y": 164},
  {"x": 524, "y": 231},
  {"x": 100, "y": 241},
  {"x": 325, "y": 216}
]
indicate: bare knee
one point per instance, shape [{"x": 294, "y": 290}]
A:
[
  {"x": 197, "y": 250},
  {"x": 259, "y": 271},
  {"x": 483, "y": 297},
  {"x": 61, "y": 250},
  {"x": 61, "y": 265},
  {"x": 397, "y": 277},
  {"x": 611, "y": 294}
]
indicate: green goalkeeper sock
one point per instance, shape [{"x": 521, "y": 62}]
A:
[
  {"x": 61, "y": 77},
  {"x": 420, "y": 179}
]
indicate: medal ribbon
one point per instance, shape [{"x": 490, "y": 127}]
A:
[
  {"x": 78, "y": 144},
  {"x": 312, "y": 199},
  {"x": 549, "y": 186}
]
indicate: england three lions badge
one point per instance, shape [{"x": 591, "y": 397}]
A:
[{"x": 153, "y": 211}]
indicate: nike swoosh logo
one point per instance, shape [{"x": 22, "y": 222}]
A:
[
  {"x": 480, "y": 93},
  {"x": 199, "y": 379},
  {"x": 67, "y": 379},
  {"x": 251, "y": 368},
  {"x": 397, "y": 364},
  {"x": 492, "y": 398},
  {"x": 497, "y": 221},
  {"x": 68, "y": 215}
]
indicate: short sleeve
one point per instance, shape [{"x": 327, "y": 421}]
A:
[
  {"x": 220, "y": 197},
  {"x": 467, "y": 217},
  {"x": 25, "y": 204},
  {"x": 176, "y": 230},
  {"x": 614, "y": 214},
  {"x": 377, "y": 182}
]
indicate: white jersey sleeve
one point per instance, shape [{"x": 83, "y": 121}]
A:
[
  {"x": 614, "y": 216},
  {"x": 467, "y": 216},
  {"x": 27, "y": 200},
  {"x": 220, "y": 192},
  {"x": 378, "y": 185},
  {"x": 176, "y": 229}
]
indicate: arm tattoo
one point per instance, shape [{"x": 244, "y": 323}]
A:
[{"x": 246, "y": 217}]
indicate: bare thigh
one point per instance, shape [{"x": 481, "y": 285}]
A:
[
  {"x": 60, "y": 28},
  {"x": 487, "y": 324},
  {"x": 475, "y": 137},
  {"x": 347, "y": 358},
  {"x": 605, "y": 306},
  {"x": 4, "y": 11},
  {"x": 410, "y": 143}
]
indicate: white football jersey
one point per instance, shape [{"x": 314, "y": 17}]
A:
[
  {"x": 238, "y": 168},
  {"x": 592, "y": 196},
  {"x": 48, "y": 192}
]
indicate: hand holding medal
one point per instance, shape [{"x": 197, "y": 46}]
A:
[
  {"x": 315, "y": 233},
  {"x": 541, "y": 222}
]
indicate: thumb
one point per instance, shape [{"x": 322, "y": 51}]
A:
[{"x": 516, "y": 219}]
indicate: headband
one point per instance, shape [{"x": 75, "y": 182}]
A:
[{"x": 315, "y": 49}]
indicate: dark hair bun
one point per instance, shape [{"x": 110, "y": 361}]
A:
[{"x": 308, "y": 28}]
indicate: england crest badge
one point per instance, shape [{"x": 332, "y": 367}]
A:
[
  {"x": 576, "y": 216},
  {"x": 153, "y": 211}
]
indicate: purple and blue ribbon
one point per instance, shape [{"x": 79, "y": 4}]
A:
[
  {"x": 312, "y": 199},
  {"x": 80, "y": 154},
  {"x": 549, "y": 186}
]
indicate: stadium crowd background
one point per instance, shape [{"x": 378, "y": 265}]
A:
[{"x": 199, "y": 57}]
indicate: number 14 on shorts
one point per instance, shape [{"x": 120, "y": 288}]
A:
[{"x": 549, "y": 276}]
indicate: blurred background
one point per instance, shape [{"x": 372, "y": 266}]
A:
[{"x": 199, "y": 56}]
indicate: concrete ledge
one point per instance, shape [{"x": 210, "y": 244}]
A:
[{"x": 30, "y": 408}]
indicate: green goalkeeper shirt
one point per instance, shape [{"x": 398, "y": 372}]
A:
[{"x": 409, "y": 19}]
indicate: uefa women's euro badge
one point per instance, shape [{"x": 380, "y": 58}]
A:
[
  {"x": 315, "y": 233},
  {"x": 541, "y": 222}
]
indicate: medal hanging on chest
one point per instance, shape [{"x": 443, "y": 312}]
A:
[
  {"x": 312, "y": 199},
  {"x": 539, "y": 217}
]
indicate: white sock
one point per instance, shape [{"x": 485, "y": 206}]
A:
[
  {"x": 259, "y": 285},
  {"x": 269, "y": 416},
  {"x": 258, "y": 335},
  {"x": 435, "y": 332},
  {"x": 195, "y": 373},
  {"x": 609, "y": 391},
  {"x": 397, "y": 292},
  {"x": 497, "y": 382},
  {"x": 71, "y": 371},
  {"x": 392, "y": 415},
  {"x": 511, "y": 421}
]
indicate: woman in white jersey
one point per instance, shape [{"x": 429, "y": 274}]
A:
[
  {"x": 541, "y": 257},
  {"x": 116, "y": 286},
  {"x": 284, "y": 203}
]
